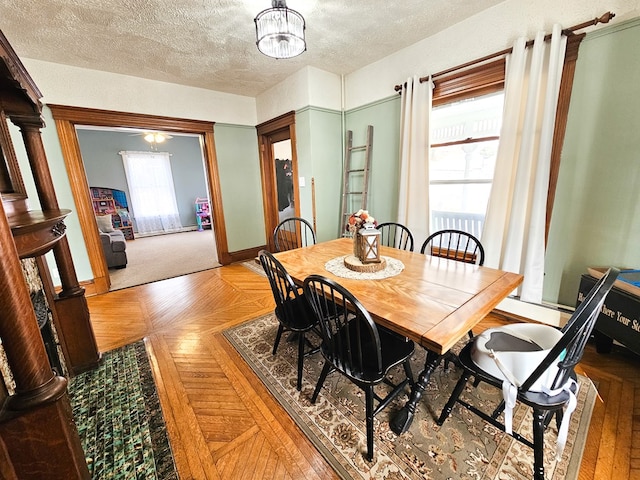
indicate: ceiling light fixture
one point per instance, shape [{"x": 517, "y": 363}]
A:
[
  {"x": 155, "y": 137},
  {"x": 280, "y": 31}
]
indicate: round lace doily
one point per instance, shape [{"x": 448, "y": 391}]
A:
[{"x": 336, "y": 266}]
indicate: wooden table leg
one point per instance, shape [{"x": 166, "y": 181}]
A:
[{"x": 402, "y": 421}]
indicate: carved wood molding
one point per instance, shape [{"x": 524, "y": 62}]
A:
[
  {"x": 15, "y": 185},
  {"x": 36, "y": 232},
  {"x": 26, "y": 95}
]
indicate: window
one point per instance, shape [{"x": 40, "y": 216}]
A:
[
  {"x": 153, "y": 197},
  {"x": 464, "y": 144}
]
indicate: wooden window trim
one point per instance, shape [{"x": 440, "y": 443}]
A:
[
  {"x": 466, "y": 141},
  {"x": 472, "y": 82}
]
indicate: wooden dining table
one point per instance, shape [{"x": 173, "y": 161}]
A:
[{"x": 433, "y": 301}]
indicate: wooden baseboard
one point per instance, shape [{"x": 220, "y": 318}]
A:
[
  {"x": 248, "y": 254},
  {"x": 89, "y": 286}
]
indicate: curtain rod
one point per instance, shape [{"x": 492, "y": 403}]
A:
[{"x": 567, "y": 31}]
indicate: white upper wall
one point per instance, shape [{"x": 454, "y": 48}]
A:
[
  {"x": 485, "y": 33},
  {"x": 308, "y": 86},
  {"x": 325, "y": 89},
  {"x": 81, "y": 87}
]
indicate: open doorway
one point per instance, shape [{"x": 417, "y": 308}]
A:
[
  {"x": 284, "y": 179},
  {"x": 67, "y": 118},
  {"x": 279, "y": 169},
  {"x": 148, "y": 192}
]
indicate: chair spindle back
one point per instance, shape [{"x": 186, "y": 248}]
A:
[
  {"x": 294, "y": 232},
  {"x": 456, "y": 245},
  {"x": 350, "y": 337},
  {"x": 396, "y": 235}
]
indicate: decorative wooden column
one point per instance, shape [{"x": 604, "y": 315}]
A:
[
  {"x": 38, "y": 438},
  {"x": 36, "y": 423},
  {"x": 72, "y": 319}
]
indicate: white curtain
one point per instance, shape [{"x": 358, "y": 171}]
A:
[
  {"x": 513, "y": 236},
  {"x": 153, "y": 196},
  {"x": 413, "y": 201}
]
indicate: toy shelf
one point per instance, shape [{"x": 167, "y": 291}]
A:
[{"x": 203, "y": 213}]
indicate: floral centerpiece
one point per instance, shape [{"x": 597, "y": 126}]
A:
[{"x": 357, "y": 221}]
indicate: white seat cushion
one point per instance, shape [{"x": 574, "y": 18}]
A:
[{"x": 519, "y": 349}]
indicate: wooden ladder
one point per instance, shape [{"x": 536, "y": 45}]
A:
[{"x": 355, "y": 180}]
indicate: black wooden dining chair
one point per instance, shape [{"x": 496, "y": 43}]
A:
[
  {"x": 454, "y": 244},
  {"x": 293, "y": 311},
  {"x": 395, "y": 235},
  {"x": 558, "y": 365},
  {"x": 353, "y": 345},
  {"x": 294, "y": 232}
]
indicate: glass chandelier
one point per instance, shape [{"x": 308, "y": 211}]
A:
[{"x": 280, "y": 31}]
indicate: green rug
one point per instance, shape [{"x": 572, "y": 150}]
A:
[
  {"x": 465, "y": 447},
  {"x": 117, "y": 411}
]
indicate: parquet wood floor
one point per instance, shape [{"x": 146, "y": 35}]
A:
[{"x": 222, "y": 422}]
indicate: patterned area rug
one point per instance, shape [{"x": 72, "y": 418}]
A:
[
  {"x": 117, "y": 411},
  {"x": 254, "y": 267},
  {"x": 465, "y": 447}
]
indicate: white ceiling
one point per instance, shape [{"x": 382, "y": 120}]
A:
[{"x": 211, "y": 43}]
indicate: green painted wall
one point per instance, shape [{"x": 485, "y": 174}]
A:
[
  {"x": 319, "y": 149},
  {"x": 384, "y": 116},
  {"x": 239, "y": 169},
  {"x": 596, "y": 218}
]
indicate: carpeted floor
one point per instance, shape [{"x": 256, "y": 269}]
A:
[
  {"x": 117, "y": 411},
  {"x": 159, "y": 257},
  {"x": 465, "y": 447}
]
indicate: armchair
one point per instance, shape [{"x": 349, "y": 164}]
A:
[{"x": 114, "y": 246}]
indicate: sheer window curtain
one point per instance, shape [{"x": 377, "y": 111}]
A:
[
  {"x": 153, "y": 197},
  {"x": 413, "y": 201},
  {"x": 514, "y": 233}
]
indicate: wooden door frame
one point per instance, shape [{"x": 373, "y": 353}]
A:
[
  {"x": 67, "y": 118},
  {"x": 270, "y": 132}
]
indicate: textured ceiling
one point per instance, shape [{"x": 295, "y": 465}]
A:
[{"x": 211, "y": 43}]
